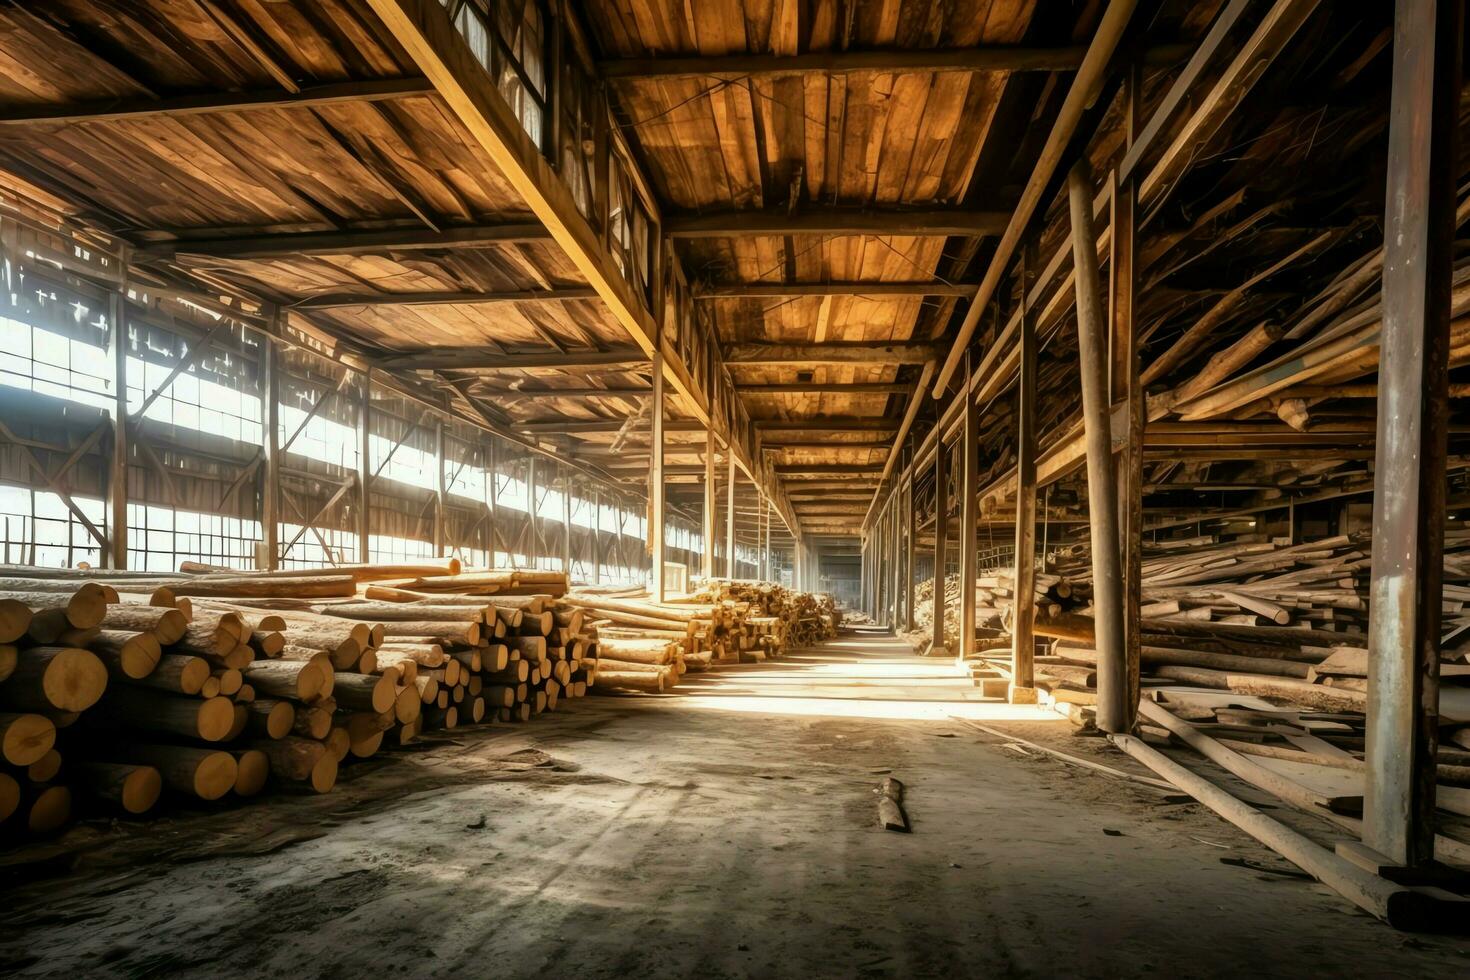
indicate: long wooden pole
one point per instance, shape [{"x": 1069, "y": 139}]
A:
[
  {"x": 440, "y": 532},
  {"x": 1413, "y": 416},
  {"x": 941, "y": 545},
  {"x": 117, "y": 473},
  {"x": 1113, "y": 711},
  {"x": 1023, "y": 650},
  {"x": 707, "y": 559},
  {"x": 364, "y": 474},
  {"x": 910, "y": 553},
  {"x": 969, "y": 518},
  {"x": 656, "y": 481},
  {"x": 1126, "y": 388},
  {"x": 730, "y": 478},
  {"x": 270, "y": 448}
]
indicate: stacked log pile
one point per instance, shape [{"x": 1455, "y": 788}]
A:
[
  {"x": 208, "y": 684},
  {"x": 1247, "y": 614},
  {"x": 645, "y": 645}
]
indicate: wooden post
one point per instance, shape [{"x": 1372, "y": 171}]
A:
[
  {"x": 566, "y": 521},
  {"x": 533, "y": 531},
  {"x": 364, "y": 474},
  {"x": 910, "y": 556},
  {"x": 707, "y": 559},
  {"x": 1413, "y": 414},
  {"x": 656, "y": 480},
  {"x": 969, "y": 517},
  {"x": 117, "y": 473},
  {"x": 941, "y": 543},
  {"x": 730, "y": 516},
  {"x": 439, "y": 531},
  {"x": 1125, "y": 388},
  {"x": 1023, "y": 647},
  {"x": 597, "y": 537},
  {"x": 895, "y": 520},
  {"x": 493, "y": 530},
  {"x": 1113, "y": 710},
  {"x": 270, "y": 449}
]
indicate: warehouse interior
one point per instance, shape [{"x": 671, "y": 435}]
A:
[{"x": 737, "y": 487}]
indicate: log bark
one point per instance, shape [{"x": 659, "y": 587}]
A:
[
  {"x": 208, "y": 719},
  {"x": 364, "y": 692},
  {"x": 301, "y": 760}
]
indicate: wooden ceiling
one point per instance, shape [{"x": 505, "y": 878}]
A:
[{"x": 830, "y": 175}]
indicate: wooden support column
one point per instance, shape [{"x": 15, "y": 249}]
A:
[
  {"x": 656, "y": 481},
  {"x": 730, "y": 479},
  {"x": 597, "y": 537},
  {"x": 911, "y": 550},
  {"x": 1113, "y": 710},
  {"x": 439, "y": 530},
  {"x": 1125, "y": 389},
  {"x": 1023, "y": 646},
  {"x": 117, "y": 472},
  {"x": 895, "y": 521},
  {"x": 364, "y": 474},
  {"x": 1413, "y": 411},
  {"x": 707, "y": 559},
  {"x": 270, "y": 449},
  {"x": 941, "y": 543},
  {"x": 533, "y": 526},
  {"x": 969, "y": 517},
  {"x": 493, "y": 529},
  {"x": 566, "y": 520}
]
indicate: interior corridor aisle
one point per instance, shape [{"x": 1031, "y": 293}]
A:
[{"x": 725, "y": 830}]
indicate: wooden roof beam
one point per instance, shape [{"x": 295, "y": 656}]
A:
[
  {"x": 941, "y": 222},
  {"x": 114, "y": 110},
  {"x": 354, "y": 242},
  {"x": 830, "y": 352},
  {"x": 828, "y": 424},
  {"x": 986, "y": 58},
  {"x": 826, "y": 387},
  {"x": 487, "y": 359},
  {"x": 866, "y": 290},
  {"x": 334, "y": 301}
]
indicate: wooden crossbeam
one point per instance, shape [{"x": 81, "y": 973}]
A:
[
  {"x": 826, "y": 387},
  {"x": 334, "y": 301},
  {"x": 827, "y": 424},
  {"x": 986, "y": 58},
  {"x": 826, "y": 469},
  {"x": 573, "y": 426},
  {"x": 866, "y": 290},
  {"x": 113, "y": 110},
  {"x": 274, "y": 246},
  {"x": 831, "y": 352},
  {"x": 837, "y": 221},
  {"x": 484, "y": 359},
  {"x": 822, "y": 445}
]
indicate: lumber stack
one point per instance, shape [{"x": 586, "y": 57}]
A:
[{"x": 1246, "y": 614}]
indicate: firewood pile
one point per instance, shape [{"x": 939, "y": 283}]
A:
[{"x": 116, "y": 686}]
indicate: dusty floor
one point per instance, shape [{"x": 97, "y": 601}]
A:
[{"x": 727, "y": 830}]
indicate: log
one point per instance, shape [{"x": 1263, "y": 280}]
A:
[
  {"x": 387, "y": 612},
  {"x": 54, "y": 678},
  {"x": 25, "y": 738},
  {"x": 132, "y": 788},
  {"x": 168, "y": 624},
  {"x": 46, "y": 808},
  {"x": 301, "y": 760},
  {"x": 206, "y": 773},
  {"x": 1302, "y": 692},
  {"x": 360, "y": 572},
  {"x": 272, "y": 718},
  {"x": 15, "y": 619},
  {"x": 9, "y": 796},
  {"x": 313, "y": 721},
  {"x": 44, "y": 769},
  {"x": 9, "y": 655},
  {"x": 82, "y": 606},
  {"x": 128, "y": 656},
  {"x": 252, "y": 769},
  {"x": 465, "y": 634},
  {"x": 365, "y": 692},
  {"x": 890, "y": 806},
  {"x": 209, "y": 719},
  {"x": 302, "y": 680},
  {"x": 637, "y": 680},
  {"x": 179, "y": 673},
  {"x": 338, "y": 743},
  {"x": 637, "y": 651}
]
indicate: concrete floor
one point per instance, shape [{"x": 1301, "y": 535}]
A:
[{"x": 725, "y": 830}]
